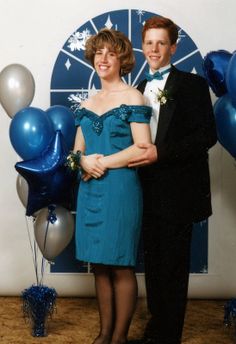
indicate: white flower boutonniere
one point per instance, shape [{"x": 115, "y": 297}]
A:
[{"x": 163, "y": 96}]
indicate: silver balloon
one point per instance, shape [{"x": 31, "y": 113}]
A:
[
  {"x": 17, "y": 88},
  {"x": 53, "y": 237},
  {"x": 22, "y": 189}
]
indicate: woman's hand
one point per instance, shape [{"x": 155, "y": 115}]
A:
[
  {"x": 92, "y": 165},
  {"x": 86, "y": 177}
]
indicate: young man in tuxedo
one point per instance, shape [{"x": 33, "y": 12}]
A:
[{"x": 176, "y": 187}]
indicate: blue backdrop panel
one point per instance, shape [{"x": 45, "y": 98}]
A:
[{"x": 66, "y": 261}]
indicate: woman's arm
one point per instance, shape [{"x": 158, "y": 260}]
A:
[
  {"x": 79, "y": 144},
  {"x": 141, "y": 134},
  {"x": 90, "y": 164}
]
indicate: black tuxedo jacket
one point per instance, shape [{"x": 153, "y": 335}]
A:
[{"x": 177, "y": 187}]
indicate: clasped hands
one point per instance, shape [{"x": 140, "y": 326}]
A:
[{"x": 94, "y": 168}]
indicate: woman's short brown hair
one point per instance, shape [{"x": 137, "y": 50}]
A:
[
  {"x": 118, "y": 42},
  {"x": 161, "y": 23}
]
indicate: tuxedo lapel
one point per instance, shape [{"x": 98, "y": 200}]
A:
[
  {"x": 142, "y": 85},
  {"x": 167, "y": 109}
]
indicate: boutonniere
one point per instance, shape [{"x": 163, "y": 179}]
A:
[{"x": 163, "y": 96}]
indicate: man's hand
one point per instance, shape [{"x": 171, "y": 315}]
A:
[
  {"x": 92, "y": 166},
  {"x": 148, "y": 157}
]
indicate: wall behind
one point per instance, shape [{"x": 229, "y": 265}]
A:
[{"x": 32, "y": 33}]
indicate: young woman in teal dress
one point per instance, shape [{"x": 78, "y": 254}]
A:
[{"x": 111, "y": 125}]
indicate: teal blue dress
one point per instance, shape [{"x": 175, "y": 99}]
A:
[{"x": 109, "y": 209}]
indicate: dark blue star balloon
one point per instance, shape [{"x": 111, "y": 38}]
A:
[{"x": 48, "y": 178}]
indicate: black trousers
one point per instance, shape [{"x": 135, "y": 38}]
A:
[{"x": 167, "y": 259}]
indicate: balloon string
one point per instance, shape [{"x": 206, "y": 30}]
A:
[
  {"x": 46, "y": 234},
  {"x": 33, "y": 250},
  {"x": 36, "y": 263},
  {"x": 43, "y": 259},
  {"x": 42, "y": 270}
]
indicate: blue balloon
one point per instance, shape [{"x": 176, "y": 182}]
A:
[
  {"x": 215, "y": 66},
  {"x": 225, "y": 115},
  {"x": 231, "y": 78},
  {"x": 63, "y": 119},
  {"x": 49, "y": 180},
  {"x": 30, "y": 132}
]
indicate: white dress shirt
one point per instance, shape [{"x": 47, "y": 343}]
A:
[{"x": 150, "y": 95}]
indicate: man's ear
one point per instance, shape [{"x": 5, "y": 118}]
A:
[{"x": 173, "y": 48}]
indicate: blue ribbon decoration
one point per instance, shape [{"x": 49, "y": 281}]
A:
[
  {"x": 230, "y": 312},
  {"x": 38, "y": 304}
]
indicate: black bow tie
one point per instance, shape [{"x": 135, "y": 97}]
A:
[{"x": 157, "y": 75}]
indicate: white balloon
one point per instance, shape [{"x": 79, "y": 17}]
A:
[
  {"x": 53, "y": 237},
  {"x": 17, "y": 88},
  {"x": 22, "y": 189}
]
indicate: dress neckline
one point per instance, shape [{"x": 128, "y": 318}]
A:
[{"x": 112, "y": 109}]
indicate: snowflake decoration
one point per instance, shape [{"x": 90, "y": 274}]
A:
[
  {"x": 76, "y": 99},
  {"x": 78, "y": 39}
]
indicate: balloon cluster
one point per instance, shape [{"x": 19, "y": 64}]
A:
[
  {"x": 220, "y": 71},
  {"x": 43, "y": 140}
]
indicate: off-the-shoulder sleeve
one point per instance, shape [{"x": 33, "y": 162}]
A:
[
  {"x": 140, "y": 114},
  {"x": 79, "y": 114}
]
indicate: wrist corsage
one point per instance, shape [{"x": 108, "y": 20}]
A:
[{"x": 73, "y": 160}]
